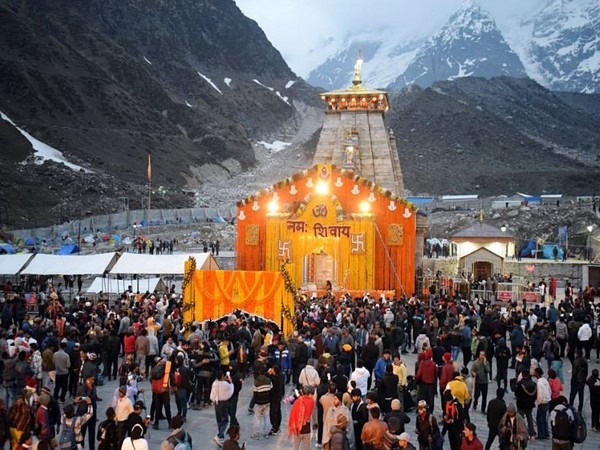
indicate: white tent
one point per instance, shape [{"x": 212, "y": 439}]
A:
[
  {"x": 11, "y": 264},
  {"x": 70, "y": 264},
  {"x": 114, "y": 286},
  {"x": 135, "y": 263}
]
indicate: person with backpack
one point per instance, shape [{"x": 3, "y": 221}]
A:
[
  {"x": 107, "y": 432},
  {"x": 179, "y": 439},
  {"x": 453, "y": 417},
  {"x": 70, "y": 436},
  {"x": 562, "y": 421}
]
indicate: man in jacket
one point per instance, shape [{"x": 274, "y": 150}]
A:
[
  {"x": 526, "y": 396},
  {"x": 380, "y": 366},
  {"x": 480, "y": 371},
  {"x": 578, "y": 379},
  {"x": 220, "y": 393},
  {"x": 360, "y": 415},
  {"x": 544, "y": 395},
  {"x": 502, "y": 355},
  {"x": 512, "y": 431},
  {"x": 495, "y": 411},
  {"x": 427, "y": 375},
  {"x": 373, "y": 431}
]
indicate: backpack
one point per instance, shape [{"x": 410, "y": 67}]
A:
[
  {"x": 183, "y": 445},
  {"x": 579, "y": 430},
  {"x": 562, "y": 426},
  {"x": 67, "y": 436},
  {"x": 451, "y": 412}
]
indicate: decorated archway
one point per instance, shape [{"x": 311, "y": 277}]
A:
[{"x": 368, "y": 232}]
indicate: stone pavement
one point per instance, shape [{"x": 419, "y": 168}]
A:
[{"x": 202, "y": 424}]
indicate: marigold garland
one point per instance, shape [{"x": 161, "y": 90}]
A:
[{"x": 289, "y": 286}]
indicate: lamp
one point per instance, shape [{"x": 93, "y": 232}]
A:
[
  {"x": 273, "y": 206},
  {"x": 365, "y": 207},
  {"x": 503, "y": 228},
  {"x": 322, "y": 188}
]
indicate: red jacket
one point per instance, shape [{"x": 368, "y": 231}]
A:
[
  {"x": 427, "y": 372},
  {"x": 475, "y": 444},
  {"x": 446, "y": 376},
  {"x": 129, "y": 343}
]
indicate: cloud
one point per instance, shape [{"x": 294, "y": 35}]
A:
[{"x": 307, "y": 31}]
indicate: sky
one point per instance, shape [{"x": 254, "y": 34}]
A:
[{"x": 302, "y": 29}]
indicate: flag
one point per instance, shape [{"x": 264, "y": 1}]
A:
[
  {"x": 149, "y": 167},
  {"x": 562, "y": 235}
]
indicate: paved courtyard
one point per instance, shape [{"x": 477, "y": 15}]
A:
[{"x": 202, "y": 424}]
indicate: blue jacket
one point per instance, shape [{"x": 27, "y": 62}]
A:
[
  {"x": 380, "y": 367},
  {"x": 516, "y": 336},
  {"x": 552, "y": 314},
  {"x": 283, "y": 358}
]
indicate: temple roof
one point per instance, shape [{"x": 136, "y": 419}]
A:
[{"x": 482, "y": 230}]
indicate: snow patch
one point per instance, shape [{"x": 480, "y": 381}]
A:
[
  {"x": 209, "y": 81},
  {"x": 188, "y": 104},
  {"x": 277, "y": 93},
  {"x": 275, "y": 146},
  {"x": 289, "y": 84},
  {"x": 43, "y": 151},
  {"x": 227, "y": 81},
  {"x": 147, "y": 60}
]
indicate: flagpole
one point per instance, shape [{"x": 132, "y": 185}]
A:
[{"x": 149, "y": 191}]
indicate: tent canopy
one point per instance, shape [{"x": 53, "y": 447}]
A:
[
  {"x": 135, "y": 263},
  {"x": 70, "y": 264},
  {"x": 114, "y": 286},
  {"x": 11, "y": 264}
]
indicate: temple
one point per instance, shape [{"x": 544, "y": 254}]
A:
[{"x": 342, "y": 224}]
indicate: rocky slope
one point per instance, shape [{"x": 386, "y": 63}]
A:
[{"x": 108, "y": 82}]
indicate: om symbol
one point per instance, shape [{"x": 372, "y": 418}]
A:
[{"x": 320, "y": 210}]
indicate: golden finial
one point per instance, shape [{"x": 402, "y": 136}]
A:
[
  {"x": 357, "y": 81},
  {"x": 481, "y": 215}
]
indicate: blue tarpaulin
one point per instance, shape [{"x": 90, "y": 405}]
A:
[
  {"x": 528, "y": 249},
  {"x": 8, "y": 248},
  {"x": 30, "y": 241},
  {"x": 548, "y": 251},
  {"x": 68, "y": 249}
]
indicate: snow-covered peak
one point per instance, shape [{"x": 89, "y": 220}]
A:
[{"x": 470, "y": 22}]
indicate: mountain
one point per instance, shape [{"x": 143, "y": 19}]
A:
[
  {"x": 556, "y": 44},
  {"x": 470, "y": 44},
  {"x": 105, "y": 83},
  {"x": 496, "y": 136},
  {"x": 560, "y": 45}
]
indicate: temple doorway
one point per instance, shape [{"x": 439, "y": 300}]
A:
[
  {"x": 318, "y": 270},
  {"x": 482, "y": 270}
]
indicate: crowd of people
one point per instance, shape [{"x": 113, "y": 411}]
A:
[{"x": 341, "y": 369}]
